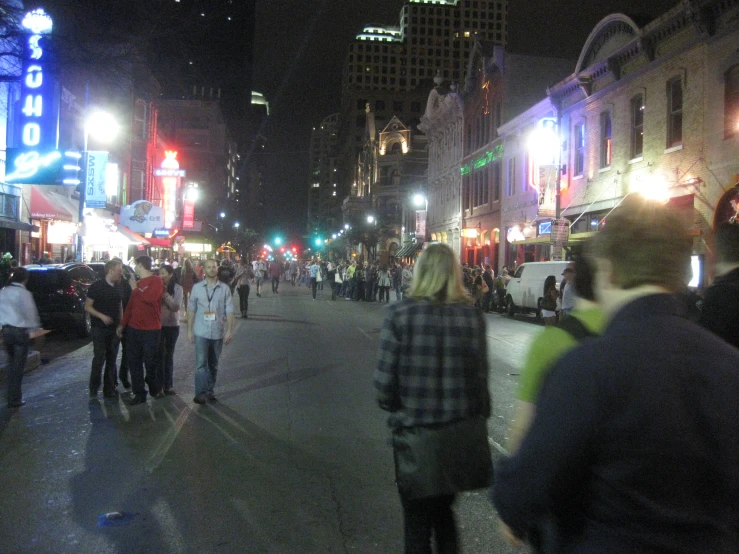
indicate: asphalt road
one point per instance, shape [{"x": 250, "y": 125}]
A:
[{"x": 293, "y": 458}]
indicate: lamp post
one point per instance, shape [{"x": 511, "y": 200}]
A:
[{"x": 104, "y": 128}]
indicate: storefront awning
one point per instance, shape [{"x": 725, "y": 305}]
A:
[
  {"x": 17, "y": 225},
  {"x": 408, "y": 250},
  {"x": 133, "y": 238},
  {"x": 161, "y": 243},
  {"x": 534, "y": 240},
  {"x": 47, "y": 204}
]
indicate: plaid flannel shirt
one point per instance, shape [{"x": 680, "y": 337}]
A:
[{"x": 432, "y": 366}]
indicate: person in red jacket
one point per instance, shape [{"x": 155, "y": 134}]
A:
[{"x": 142, "y": 324}]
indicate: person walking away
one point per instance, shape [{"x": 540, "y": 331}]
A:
[
  {"x": 720, "y": 313},
  {"x": 188, "y": 280},
  {"x": 370, "y": 279},
  {"x": 243, "y": 278},
  {"x": 487, "y": 296},
  {"x": 105, "y": 306},
  {"x": 397, "y": 275},
  {"x": 438, "y": 404},
  {"x": 383, "y": 283},
  {"x": 261, "y": 272},
  {"x": 350, "y": 271},
  {"x": 18, "y": 317},
  {"x": 275, "y": 270},
  {"x": 294, "y": 269},
  {"x": 142, "y": 324},
  {"x": 314, "y": 270},
  {"x": 210, "y": 323},
  {"x": 406, "y": 279},
  {"x": 359, "y": 280},
  {"x": 549, "y": 301},
  {"x": 567, "y": 292},
  {"x": 634, "y": 443},
  {"x": 477, "y": 283},
  {"x": 331, "y": 271},
  {"x": 171, "y": 304},
  {"x": 125, "y": 288}
]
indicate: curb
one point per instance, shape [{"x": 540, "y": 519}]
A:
[{"x": 34, "y": 360}]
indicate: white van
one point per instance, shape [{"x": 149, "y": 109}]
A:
[{"x": 526, "y": 288}]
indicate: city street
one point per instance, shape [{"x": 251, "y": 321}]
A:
[{"x": 293, "y": 458}]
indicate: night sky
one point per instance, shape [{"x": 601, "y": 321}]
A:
[{"x": 300, "y": 46}]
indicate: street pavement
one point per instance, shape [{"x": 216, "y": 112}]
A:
[{"x": 293, "y": 458}]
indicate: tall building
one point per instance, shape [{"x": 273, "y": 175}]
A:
[
  {"x": 392, "y": 67},
  {"x": 324, "y": 202}
]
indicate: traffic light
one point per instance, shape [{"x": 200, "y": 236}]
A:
[
  {"x": 319, "y": 241},
  {"x": 282, "y": 250},
  {"x": 295, "y": 250},
  {"x": 278, "y": 241}
]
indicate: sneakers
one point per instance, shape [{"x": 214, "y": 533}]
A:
[
  {"x": 137, "y": 400},
  {"x": 199, "y": 399},
  {"x": 109, "y": 394},
  {"x": 211, "y": 397},
  {"x": 170, "y": 392},
  {"x": 17, "y": 404}
]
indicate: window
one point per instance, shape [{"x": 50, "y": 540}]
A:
[
  {"x": 139, "y": 120},
  {"x": 379, "y": 105},
  {"x": 395, "y": 148},
  {"x": 9, "y": 206},
  {"x": 486, "y": 186},
  {"x": 731, "y": 102},
  {"x": 606, "y": 140},
  {"x": 579, "y": 148},
  {"x": 497, "y": 169},
  {"x": 637, "y": 126},
  {"x": 466, "y": 192},
  {"x": 511, "y": 190},
  {"x": 674, "y": 112},
  {"x": 395, "y": 178}
]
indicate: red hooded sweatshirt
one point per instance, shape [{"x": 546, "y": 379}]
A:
[{"x": 144, "y": 309}]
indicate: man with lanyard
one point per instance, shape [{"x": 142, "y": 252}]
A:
[
  {"x": 105, "y": 306},
  {"x": 18, "y": 315},
  {"x": 209, "y": 308}
]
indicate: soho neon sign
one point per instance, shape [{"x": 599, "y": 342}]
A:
[{"x": 38, "y": 130}]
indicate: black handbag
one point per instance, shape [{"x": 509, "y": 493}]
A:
[{"x": 441, "y": 459}]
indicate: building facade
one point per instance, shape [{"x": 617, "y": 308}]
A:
[
  {"x": 324, "y": 201},
  {"x": 392, "y": 67},
  {"x": 653, "y": 111}
]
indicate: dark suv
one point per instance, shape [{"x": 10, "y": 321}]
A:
[
  {"x": 99, "y": 268},
  {"x": 60, "y": 292}
]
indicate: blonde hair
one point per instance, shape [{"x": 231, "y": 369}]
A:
[
  {"x": 437, "y": 276},
  {"x": 647, "y": 244}
]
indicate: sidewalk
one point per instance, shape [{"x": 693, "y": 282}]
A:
[{"x": 34, "y": 360}]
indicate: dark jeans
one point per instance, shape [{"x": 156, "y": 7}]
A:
[
  {"x": 334, "y": 287},
  {"x": 313, "y": 286},
  {"x": 369, "y": 288},
  {"x": 487, "y": 301},
  {"x": 275, "y": 283},
  {"x": 143, "y": 351},
  {"x": 501, "y": 300},
  {"x": 104, "y": 353},
  {"x": 359, "y": 290},
  {"x": 427, "y": 515},
  {"x": 16, "y": 344},
  {"x": 244, "y": 291},
  {"x": 167, "y": 342},
  {"x": 385, "y": 293},
  {"x": 123, "y": 373}
]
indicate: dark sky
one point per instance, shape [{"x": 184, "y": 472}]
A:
[{"x": 300, "y": 46}]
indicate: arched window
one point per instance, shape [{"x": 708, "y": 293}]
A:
[
  {"x": 731, "y": 102},
  {"x": 395, "y": 148}
]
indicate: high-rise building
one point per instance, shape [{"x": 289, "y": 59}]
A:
[
  {"x": 324, "y": 202},
  {"x": 391, "y": 68}
]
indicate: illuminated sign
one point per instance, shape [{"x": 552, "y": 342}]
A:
[
  {"x": 188, "y": 214},
  {"x": 142, "y": 217},
  {"x": 34, "y": 168},
  {"x": 489, "y": 157},
  {"x": 170, "y": 172},
  {"x": 170, "y": 184},
  {"x": 545, "y": 228},
  {"x": 161, "y": 233},
  {"x": 95, "y": 183},
  {"x": 37, "y": 125}
]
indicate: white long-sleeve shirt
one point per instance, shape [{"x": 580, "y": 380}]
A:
[{"x": 17, "y": 307}]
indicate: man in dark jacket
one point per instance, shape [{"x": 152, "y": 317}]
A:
[
  {"x": 633, "y": 447},
  {"x": 720, "y": 312}
]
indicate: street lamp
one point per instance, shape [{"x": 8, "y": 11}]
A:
[
  {"x": 370, "y": 219},
  {"x": 347, "y": 226},
  {"x": 236, "y": 224},
  {"x": 222, "y": 215},
  {"x": 104, "y": 128},
  {"x": 420, "y": 200}
]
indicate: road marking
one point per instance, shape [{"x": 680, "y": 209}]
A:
[
  {"x": 498, "y": 446},
  {"x": 366, "y": 334}
]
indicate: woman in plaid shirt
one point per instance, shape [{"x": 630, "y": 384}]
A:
[{"x": 432, "y": 377}]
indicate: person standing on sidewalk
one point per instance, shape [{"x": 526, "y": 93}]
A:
[
  {"x": 275, "y": 271},
  {"x": 105, "y": 306},
  {"x": 142, "y": 324},
  {"x": 314, "y": 270},
  {"x": 243, "y": 278},
  {"x": 210, "y": 322},
  {"x": 171, "y": 305},
  {"x": 18, "y": 316}
]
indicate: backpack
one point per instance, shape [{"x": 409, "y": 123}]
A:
[{"x": 576, "y": 329}]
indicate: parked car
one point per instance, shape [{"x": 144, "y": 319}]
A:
[
  {"x": 525, "y": 290},
  {"x": 60, "y": 291},
  {"x": 99, "y": 268}
]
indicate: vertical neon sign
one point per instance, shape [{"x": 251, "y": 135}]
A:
[
  {"x": 37, "y": 125},
  {"x": 170, "y": 181}
]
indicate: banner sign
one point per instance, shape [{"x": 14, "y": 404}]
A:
[
  {"x": 420, "y": 225},
  {"x": 142, "y": 217},
  {"x": 188, "y": 217},
  {"x": 95, "y": 179}
]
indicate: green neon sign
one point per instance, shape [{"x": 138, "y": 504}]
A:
[{"x": 489, "y": 157}]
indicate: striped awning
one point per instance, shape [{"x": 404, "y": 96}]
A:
[{"x": 408, "y": 250}]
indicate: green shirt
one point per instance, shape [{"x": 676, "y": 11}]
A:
[{"x": 550, "y": 346}]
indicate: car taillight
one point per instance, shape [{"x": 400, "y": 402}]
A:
[{"x": 69, "y": 291}]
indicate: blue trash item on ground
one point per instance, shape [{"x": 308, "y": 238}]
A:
[{"x": 115, "y": 519}]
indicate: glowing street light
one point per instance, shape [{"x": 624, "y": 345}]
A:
[
  {"x": 419, "y": 200},
  {"x": 347, "y": 226},
  {"x": 237, "y": 224},
  {"x": 222, "y": 215},
  {"x": 333, "y": 236},
  {"x": 102, "y": 126},
  {"x": 192, "y": 194},
  {"x": 370, "y": 219}
]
